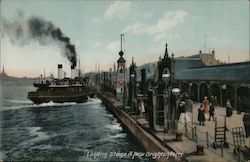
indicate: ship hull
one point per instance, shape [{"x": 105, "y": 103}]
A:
[{"x": 59, "y": 97}]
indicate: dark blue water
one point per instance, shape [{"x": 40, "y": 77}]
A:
[{"x": 58, "y": 132}]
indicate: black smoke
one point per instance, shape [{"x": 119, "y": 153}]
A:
[{"x": 23, "y": 31}]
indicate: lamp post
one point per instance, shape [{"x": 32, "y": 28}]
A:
[
  {"x": 132, "y": 76},
  {"x": 166, "y": 78},
  {"x": 224, "y": 87},
  {"x": 176, "y": 92},
  {"x": 124, "y": 94},
  {"x": 189, "y": 90},
  {"x": 190, "y": 85}
]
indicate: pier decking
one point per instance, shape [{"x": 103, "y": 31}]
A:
[{"x": 154, "y": 141}]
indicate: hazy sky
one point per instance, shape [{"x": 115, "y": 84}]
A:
[{"x": 95, "y": 28}]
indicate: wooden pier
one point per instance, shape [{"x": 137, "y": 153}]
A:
[{"x": 157, "y": 142}]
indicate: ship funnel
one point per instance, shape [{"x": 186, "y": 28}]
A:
[
  {"x": 76, "y": 73},
  {"x": 60, "y": 71},
  {"x": 73, "y": 72}
]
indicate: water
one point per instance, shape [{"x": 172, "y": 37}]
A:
[{"x": 58, "y": 132}]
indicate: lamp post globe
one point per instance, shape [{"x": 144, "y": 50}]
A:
[
  {"x": 176, "y": 91},
  {"x": 165, "y": 76}
]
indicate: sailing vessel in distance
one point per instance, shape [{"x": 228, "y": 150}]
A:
[{"x": 63, "y": 89}]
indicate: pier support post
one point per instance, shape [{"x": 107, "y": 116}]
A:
[
  {"x": 198, "y": 92},
  {"x": 200, "y": 150},
  {"x": 178, "y": 136}
]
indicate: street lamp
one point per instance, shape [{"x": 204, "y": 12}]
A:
[
  {"x": 176, "y": 92},
  {"x": 165, "y": 75},
  {"x": 190, "y": 85},
  {"x": 223, "y": 100},
  {"x": 224, "y": 87},
  {"x": 132, "y": 88},
  {"x": 165, "y": 78}
]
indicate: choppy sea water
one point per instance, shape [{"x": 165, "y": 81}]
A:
[{"x": 58, "y": 132}]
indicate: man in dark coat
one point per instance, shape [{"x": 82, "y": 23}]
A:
[
  {"x": 181, "y": 108},
  {"x": 211, "y": 111},
  {"x": 188, "y": 105},
  {"x": 201, "y": 116},
  {"x": 246, "y": 121},
  {"x": 229, "y": 110}
]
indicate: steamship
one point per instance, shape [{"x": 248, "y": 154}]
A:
[{"x": 63, "y": 89}]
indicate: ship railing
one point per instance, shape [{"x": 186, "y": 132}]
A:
[{"x": 59, "y": 92}]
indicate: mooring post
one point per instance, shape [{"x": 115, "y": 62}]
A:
[
  {"x": 221, "y": 146},
  {"x": 207, "y": 140},
  {"x": 195, "y": 135},
  {"x": 192, "y": 133}
]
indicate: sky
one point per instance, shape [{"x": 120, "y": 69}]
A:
[{"x": 94, "y": 27}]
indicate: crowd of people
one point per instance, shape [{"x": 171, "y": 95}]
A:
[{"x": 205, "y": 111}]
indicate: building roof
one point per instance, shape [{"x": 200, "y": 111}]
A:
[
  {"x": 194, "y": 69},
  {"x": 185, "y": 63},
  {"x": 194, "y": 56},
  {"x": 227, "y": 72},
  {"x": 180, "y": 64}
]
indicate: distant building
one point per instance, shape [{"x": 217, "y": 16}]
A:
[
  {"x": 224, "y": 81},
  {"x": 3, "y": 75},
  {"x": 208, "y": 58}
]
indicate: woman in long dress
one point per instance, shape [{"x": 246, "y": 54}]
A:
[
  {"x": 205, "y": 103},
  {"x": 141, "y": 108}
]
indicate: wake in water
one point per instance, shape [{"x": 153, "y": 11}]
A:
[
  {"x": 49, "y": 104},
  {"x": 91, "y": 101},
  {"x": 18, "y": 101}
]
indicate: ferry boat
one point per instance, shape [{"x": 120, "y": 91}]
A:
[{"x": 73, "y": 89}]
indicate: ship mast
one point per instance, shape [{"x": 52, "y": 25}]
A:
[
  {"x": 121, "y": 40},
  {"x": 79, "y": 70}
]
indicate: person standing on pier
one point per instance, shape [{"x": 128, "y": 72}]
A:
[
  {"x": 181, "y": 109},
  {"x": 211, "y": 111},
  {"x": 201, "y": 116},
  {"x": 206, "y": 104},
  {"x": 188, "y": 107},
  {"x": 142, "y": 109},
  {"x": 211, "y": 108},
  {"x": 229, "y": 110}
]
